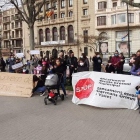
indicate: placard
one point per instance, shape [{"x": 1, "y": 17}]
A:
[
  {"x": 18, "y": 65},
  {"x": 19, "y": 55},
  {"x": 32, "y": 52},
  {"x": 19, "y": 85},
  {"x": 105, "y": 90}
]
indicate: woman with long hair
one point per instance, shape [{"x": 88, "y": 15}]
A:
[{"x": 136, "y": 68}]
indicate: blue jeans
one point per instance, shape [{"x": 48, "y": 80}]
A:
[
  {"x": 41, "y": 89},
  {"x": 63, "y": 88}
]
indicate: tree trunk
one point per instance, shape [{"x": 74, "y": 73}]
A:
[{"x": 31, "y": 28}]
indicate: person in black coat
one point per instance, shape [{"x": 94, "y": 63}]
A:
[
  {"x": 3, "y": 65},
  {"x": 59, "y": 70},
  {"x": 72, "y": 62},
  {"x": 82, "y": 66},
  {"x": 97, "y": 61},
  {"x": 109, "y": 68}
]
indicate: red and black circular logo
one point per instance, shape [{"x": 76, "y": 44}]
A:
[{"x": 83, "y": 88}]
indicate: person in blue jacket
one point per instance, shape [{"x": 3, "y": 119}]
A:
[{"x": 136, "y": 68}]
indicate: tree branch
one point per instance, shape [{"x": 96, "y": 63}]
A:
[{"x": 131, "y": 3}]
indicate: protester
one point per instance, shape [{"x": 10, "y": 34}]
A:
[
  {"x": 82, "y": 66},
  {"x": 97, "y": 61},
  {"x": 3, "y": 65},
  {"x": 121, "y": 63},
  {"x": 115, "y": 60},
  {"x": 86, "y": 61},
  {"x": 109, "y": 67},
  {"x": 59, "y": 70},
  {"x": 72, "y": 62},
  {"x": 11, "y": 63},
  {"x": 38, "y": 85},
  {"x": 132, "y": 60}
]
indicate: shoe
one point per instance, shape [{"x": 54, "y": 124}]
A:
[{"x": 42, "y": 93}]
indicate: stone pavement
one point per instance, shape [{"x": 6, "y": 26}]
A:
[{"x": 30, "y": 119}]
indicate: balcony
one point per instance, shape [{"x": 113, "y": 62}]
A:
[
  {"x": 85, "y": 17},
  {"x": 6, "y": 20},
  {"x": 18, "y": 26},
  {"x": 6, "y": 38},
  {"x": 55, "y": 21},
  {"x": 6, "y": 29},
  {"x": 19, "y": 36}
]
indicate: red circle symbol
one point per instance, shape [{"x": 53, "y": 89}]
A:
[{"x": 83, "y": 88}]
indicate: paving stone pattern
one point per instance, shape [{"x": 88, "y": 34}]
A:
[{"x": 30, "y": 119}]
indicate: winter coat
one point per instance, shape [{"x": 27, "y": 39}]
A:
[
  {"x": 115, "y": 60},
  {"x": 110, "y": 68},
  {"x": 82, "y": 68},
  {"x": 72, "y": 61},
  {"x": 97, "y": 61},
  {"x": 87, "y": 63},
  {"x": 11, "y": 62}
]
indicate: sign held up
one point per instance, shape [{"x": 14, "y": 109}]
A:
[
  {"x": 19, "y": 85},
  {"x": 32, "y": 52},
  {"x": 18, "y": 65}
]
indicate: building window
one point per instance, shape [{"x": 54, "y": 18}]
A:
[
  {"x": 41, "y": 11},
  {"x": 101, "y": 20},
  {"x": 47, "y": 34},
  {"x": 102, "y": 5},
  {"x": 55, "y": 16},
  {"x": 123, "y": 4},
  {"x": 121, "y": 18},
  {"x": 62, "y": 15},
  {"x": 86, "y": 51},
  {"x": 85, "y": 12},
  {"x": 85, "y": 1},
  {"x": 55, "y": 5},
  {"x": 47, "y": 6},
  {"x": 85, "y": 33},
  {"x": 70, "y": 3},
  {"x": 62, "y": 3},
  {"x": 62, "y": 33},
  {"x": 70, "y": 34},
  {"x": 114, "y": 4},
  {"x": 40, "y": 36},
  {"x": 55, "y": 34},
  {"x": 131, "y": 17},
  {"x": 121, "y": 34},
  {"x": 70, "y": 13},
  {"x": 113, "y": 19}
]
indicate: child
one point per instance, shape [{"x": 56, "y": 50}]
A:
[{"x": 123, "y": 47}]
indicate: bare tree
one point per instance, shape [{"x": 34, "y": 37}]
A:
[
  {"x": 29, "y": 11},
  {"x": 91, "y": 41},
  {"x": 131, "y": 2}
]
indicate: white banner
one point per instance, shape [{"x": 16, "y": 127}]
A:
[
  {"x": 34, "y": 52},
  {"x": 16, "y": 66},
  {"x": 53, "y": 42},
  {"x": 19, "y": 55},
  {"x": 105, "y": 90}
]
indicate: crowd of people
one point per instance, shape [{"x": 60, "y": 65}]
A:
[{"x": 67, "y": 65}]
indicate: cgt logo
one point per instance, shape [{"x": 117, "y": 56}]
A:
[{"x": 83, "y": 88}]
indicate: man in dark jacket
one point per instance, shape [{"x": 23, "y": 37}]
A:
[
  {"x": 3, "y": 65},
  {"x": 97, "y": 61},
  {"x": 72, "y": 62},
  {"x": 11, "y": 63}
]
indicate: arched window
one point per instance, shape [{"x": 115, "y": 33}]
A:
[
  {"x": 62, "y": 33},
  {"x": 47, "y": 32},
  {"x": 70, "y": 34},
  {"x": 54, "y": 53},
  {"x": 40, "y": 36},
  {"x": 55, "y": 34}
]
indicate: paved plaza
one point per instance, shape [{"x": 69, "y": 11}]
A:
[{"x": 30, "y": 119}]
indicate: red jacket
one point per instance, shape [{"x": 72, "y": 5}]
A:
[{"x": 115, "y": 60}]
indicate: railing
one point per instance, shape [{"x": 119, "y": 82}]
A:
[
  {"x": 18, "y": 26},
  {"x": 6, "y": 20}
]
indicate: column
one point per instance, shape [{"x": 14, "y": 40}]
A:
[
  {"x": 66, "y": 8},
  {"x": 58, "y": 8}
]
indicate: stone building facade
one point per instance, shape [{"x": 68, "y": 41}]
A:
[{"x": 61, "y": 31}]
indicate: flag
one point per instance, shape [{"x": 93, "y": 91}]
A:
[{"x": 123, "y": 38}]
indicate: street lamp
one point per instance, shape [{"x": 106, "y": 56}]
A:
[{"x": 128, "y": 32}]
